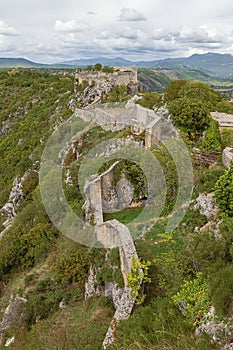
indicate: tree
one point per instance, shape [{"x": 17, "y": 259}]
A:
[
  {"x": 202, "y": 92},
  {"x": 223, "y": 192},
  {"x": 172, "y": 90},
  {"x": 98, "y": 66},
  {"x": 190, "y": 115},
  {"x": 151, "y": 100}
]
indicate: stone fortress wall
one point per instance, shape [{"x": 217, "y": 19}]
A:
[
  {"x": 118, "y": 77},
  {"x": 111, "y": 234},
  {"x": 115, "y": 119}
]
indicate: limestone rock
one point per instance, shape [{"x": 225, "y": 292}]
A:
[
  {"x": 113, "y": 292},
  {"x": 15, "y": 197},
  {"x": 91, "y": 286},
  {"x": 205, "y": 203},
  {"x": 9, "y": 341},
  {"x": 13, "y": 315},
  {"x": 227, "y": 156}
]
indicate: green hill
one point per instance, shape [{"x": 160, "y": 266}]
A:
[{"x": 190, "y": 269}]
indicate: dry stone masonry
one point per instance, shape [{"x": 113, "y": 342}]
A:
[
  {"x": 110, "y": 234},
  {"x": 100, "y": 83},
  {"x": 115, "y": 119}
]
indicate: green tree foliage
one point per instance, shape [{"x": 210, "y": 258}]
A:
[
  {"x": 227, "y": 138},
  {"x": 70, "y": 263},
  {"x": 201, "y": 91},
  {"x": 108, "y": 69},
  {"x": 169, "y": 170},
  {"x": 190, "y": 115},
  {"x": 190, "y": 106},
  {"x": 98, "y": 66},
  {"x": 117, "y": 94},
  {"x": 224, "y": 107},
  {"x": 151, "y": 100},
  {"x": 223, "y": 193},
  {"x": 171, "y": 91},
  {"x": 212, "y": 140},
  {"x": 31, "y": 103}
]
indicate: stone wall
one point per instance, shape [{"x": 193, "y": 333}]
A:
[
  {"x": 110, "y": 234},
  {"x": 115, "y": 119},
  {"x": 225, "y": 120},
  {"x": 104, "y": 195},
  {"x": 120, "y": 76}
]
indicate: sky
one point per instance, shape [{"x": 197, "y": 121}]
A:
[{"x": 50, "y": 31}]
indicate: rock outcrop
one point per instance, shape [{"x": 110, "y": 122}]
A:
[
  {"x": 206, "y": 205},
  {"x": 15, "y": 197},
  {"x": 100, "y": 83},
  {"x": 13, "y": 314},
  {"x": 227, "y": 156}
]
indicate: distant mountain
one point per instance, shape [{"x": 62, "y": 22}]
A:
[
  {"x": 214, "y": 64},
  {"x": 19, "y": 62},
  {"x": 116, "y": 62}
]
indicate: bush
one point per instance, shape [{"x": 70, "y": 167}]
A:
[
  {"x": 70, "y": 264},
  {"x": 193, "y": 299},
  {"x": 36, "y": 244},
  {"x": 220, "y": 284},
  {"x": 151, "y": 100},
  {"x": 30, "y": 182},
  {"x": 212, "y": 140},
  {"x": 223, "y": 193},
  {"x": 227, "y": 138}
]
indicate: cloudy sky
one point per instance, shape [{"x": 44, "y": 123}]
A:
[{"x": 53, "y": 31}]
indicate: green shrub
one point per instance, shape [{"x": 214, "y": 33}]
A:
[
  {"x": 209, "y": 178},
  {"x": 223, "y": 192},
  {"x": 227, "y": 138},
  {"x": 212, "y": 140},
  {"x": 30, "y": 182},
  {"x": 151, "y": 100},
  {"x": 36, "y": 244},
  {"x": 220, "y": 284},
  {"x": 70, "y": 264},
  {"x": 193, "y": 299}
]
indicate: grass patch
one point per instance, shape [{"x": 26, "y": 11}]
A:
[
  {"x": 124, "y": 216},
  {"x": 77, "y": 327}
]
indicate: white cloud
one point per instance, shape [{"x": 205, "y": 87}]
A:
[
  {"x": 7, "y": 30},
  {"x": 131, "y": 15},
  {"x": 200, "y": 34},
  {"x": 143, "y": 30},
  {"x": 71, "y": 26}
]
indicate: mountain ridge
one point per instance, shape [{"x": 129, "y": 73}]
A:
[{"x": 214, "y": 64}]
